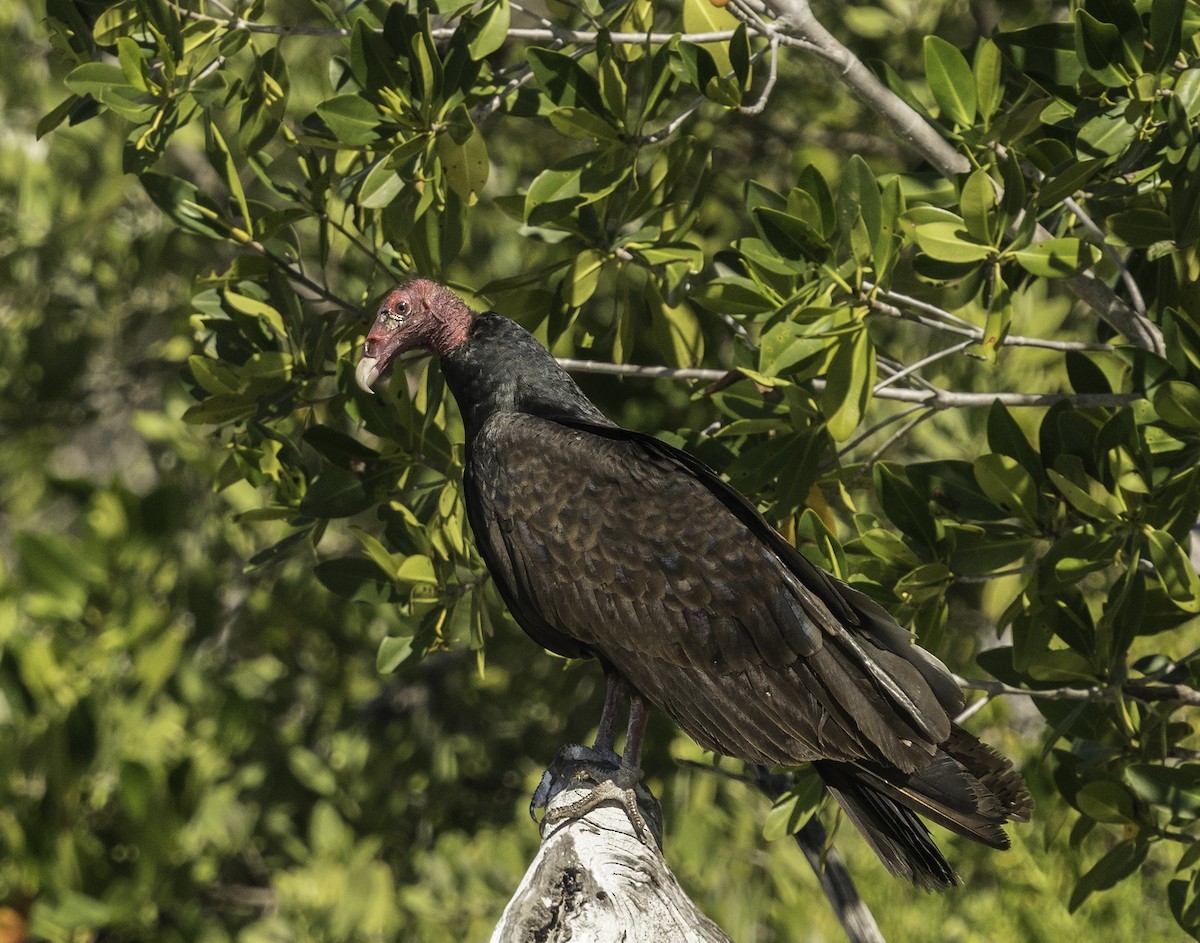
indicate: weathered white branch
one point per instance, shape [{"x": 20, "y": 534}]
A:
[{"x": 595, "y": 880}]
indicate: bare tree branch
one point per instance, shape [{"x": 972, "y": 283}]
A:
[
  {"x": 935, "y": 398},
  {"x": 893, "y": 304},
  {"x": 1139, "y": 690}
]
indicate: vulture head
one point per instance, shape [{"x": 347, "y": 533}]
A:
[{"x": 418, "y": 315}]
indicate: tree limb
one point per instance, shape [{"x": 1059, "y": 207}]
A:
[
  {"x": 934, "y": 398},
  {"x": 594, "y": 879}
]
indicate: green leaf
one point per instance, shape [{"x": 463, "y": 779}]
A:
[
  {"x": 978, "y": 552},
  {"x": 812, "y": 184},
  {"x": 381, "y": 186},
  {"x": 1108, "y": 134},
  {"x": 1056, "y": 258},
  {"x": 312, "y": 772},
  {"x": 904, "y": 506},
  {"x": 952, "y": 486},
  {"x": 257, "y": 309},
  {"x": 224, "y": 164},
  {"x": 133, "y": 63},
  {"x": 792, "y": 237},
  {"x": 1174, "y": 570},
  {"x": 950, "y": 79},
  {"x": 1166, "y": 21},
  {"x": 118, "y": 20},
  {"x": 1106, "y": 801},
  {"x": 1005, "y": 481},
  {"x": 858, "y": 193},
  {"x": 978, "y": 205},
  {"x": 214, "y": 376},
  {"x": 733, "y": 294},
  {"x": 339, "y": 448},
  {"x": 583, "y": 276},
  {"x": 1110, "y": 51},
  {"x": 574, "y": 182},
  {"x": 787, "y": 344},
  {"x": 565, "y": 82},
  {"x": 581, "y": 124},
  {"x": 1187, "y": 91},
  {"x": 1068, "y": 181},
  {"x": 393, "y": 651},
  {"x": 793, "y": 809},
  {"x": 95, "y": 78},
  {"x": 1082, "y": 499},
  {"x": 489, "y": 29},
  {"x": 1178, "y": 403},
  {"x": 703, "y": 16},
  {"x": 352, "y": 119},
  {"x": 848, "y": 383},
  {"x": 417, "y": 568},
  {"x": 56, "y": 116},
  {"x": 988, "y": 88},
  {"x": 183, "y": 203},
  {"x": 464, "y": 158},
  {"x": 336, "y": 492},
  {"x": 1174, "y": 788},
  {"x": 951, "y": 242},
  {"x": 357, "y": 579},
  {"x": 695, "y": 65},
  {"x": 1005, "y": 436},
  {"x": 1118, "y": 863},
  {"x": 220, "y": 410}
]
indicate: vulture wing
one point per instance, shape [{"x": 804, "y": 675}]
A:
[{"x": 607, "y": 542}]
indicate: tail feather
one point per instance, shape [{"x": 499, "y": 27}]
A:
[
  {"x": 895, "y": 834},
  {"x": 966, "y": 787}
]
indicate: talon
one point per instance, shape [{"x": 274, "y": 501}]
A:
[{"x": 611, "y": 781}]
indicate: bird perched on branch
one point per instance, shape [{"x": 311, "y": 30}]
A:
[{"x": 608, "y": 543}]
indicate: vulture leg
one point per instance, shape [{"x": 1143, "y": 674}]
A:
[
  {"x": 598, "y": 773},
  {"x": 606, "y": 733},
  {"x": 635, "y": 733}
]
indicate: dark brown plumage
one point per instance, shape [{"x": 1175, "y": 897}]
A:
[{"x": 606, "y": 542}]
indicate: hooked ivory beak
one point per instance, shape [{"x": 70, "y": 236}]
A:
[{"x": 366, "y": 373}]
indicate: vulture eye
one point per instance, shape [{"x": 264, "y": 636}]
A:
[{"x": 396, "y": 315}]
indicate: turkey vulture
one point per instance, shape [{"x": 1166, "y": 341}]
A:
[{"x": 608, "y": 543}]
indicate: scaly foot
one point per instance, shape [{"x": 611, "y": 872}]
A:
[{"x": 576, "y": 766}]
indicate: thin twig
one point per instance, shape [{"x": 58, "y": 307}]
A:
[
  {"x": 879, "y": 427},
  {"x": 923, "y": 362},
  {"x": 942, "y": 320},
  {"x": 972, "y": 709},
  {"x": 1139, "y": 690},
  {"x": 895, "y": 437},
  {"x": 1097, "y": 234},
  {"x": 769, "y": 86},
  {"x": 297, "y": 275}
]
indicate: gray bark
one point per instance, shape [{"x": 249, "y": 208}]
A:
[{"x": 595, "y": 880}]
